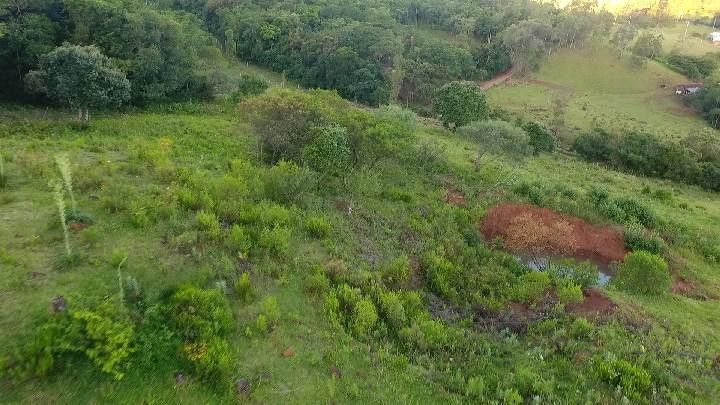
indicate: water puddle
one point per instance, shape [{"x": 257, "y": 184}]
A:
[{"x": 566, "y": 264}]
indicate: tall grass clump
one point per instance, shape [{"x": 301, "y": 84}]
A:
[
  {"x": 60, "y": 202},
  {"x": 63, "y": 163},
  {"x": 3, "y": 179}
]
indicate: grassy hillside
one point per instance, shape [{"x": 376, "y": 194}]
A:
[
  {"x": 596, "y": 86},
  {"x": 694, "y": 42},
  {"x": 130, "y": 170}
]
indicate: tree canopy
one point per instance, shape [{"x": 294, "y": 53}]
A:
[{"x": 80, "y": 77}]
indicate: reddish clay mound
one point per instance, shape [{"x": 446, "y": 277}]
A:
[
  {"x": 526, "y": 228},
  {"x": 595, "y": 303}
]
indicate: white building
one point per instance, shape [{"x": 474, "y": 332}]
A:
[{"x": 714, "y": 37}]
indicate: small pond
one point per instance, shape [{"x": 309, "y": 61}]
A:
[{"x": 542, "y": 262}]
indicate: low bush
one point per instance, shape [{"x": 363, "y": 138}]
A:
[
  {"x": 270, "y": 309},
  {"x": 317, "y": 226},
  {"x": 568, "y": 292},
  {"x": 364, "y": 317},
  {"x": 644, "y": 273},
  {"x": 244, "y": 288},
  {"x": 275, "y": 240},
  {"x": 208, "y": 225},
  {"x": 287, "y": 183},
  {"x": 199, "y": 314},
  {"x": 392, "y": 310},
  {"x": 210, "y": 359},
  {"x": 584, "y": 274},
  {"x": 532, "y": 286},
  {"x": 329, "y": 152},
  {"x": 541, "y": 139},
  {"x": 634, "y": 381},
  {"x": 238, "y": 241},
  {"x": 638, "y": 238},
  {"x": 425, "y": 335},
  {"x": 396, "y": 271},
  {"x": 104, "y": 334}
]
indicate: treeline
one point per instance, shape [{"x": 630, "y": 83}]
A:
[
  {"x": 694, "y": 160},
  {"x": 369, "y": 52},
  {"x": 158, "y": 50}
]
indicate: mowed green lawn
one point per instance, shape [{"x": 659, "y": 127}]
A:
[{"x": 598, "y": 87}]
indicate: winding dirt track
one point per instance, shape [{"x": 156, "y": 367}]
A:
[{"x": 501, "y": 78}]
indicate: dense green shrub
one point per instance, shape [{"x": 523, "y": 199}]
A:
[
  {"x": 636, "y": 211},
  {"x": 497, "y": 137},
  {"x": 541, "y": 139},
  {"x": 208, "y": 225},
  {"x": 269, "y": 314},
  {"x": 238, "y": 241},
  {"x": 247, "y": 86},
  {"x": 275, "y": 240},
  {"x": 638, "y": 238},
  {"x": 595, "y": 146},
  {"x": 643, "y": 273},
  {"x": 394, "y": 113},
  {"x": 210, "y": 358},
  {"x": 568, "y": 292},
  {"x": 694, "y": 67},
  {"x": 633, "y": 379},
  {"x": 392, "y": 310},
  {"x": 317, "y": 282},
  {"x": 329, "y": 152},
  {"x": 396, "y": 271},
  {"x": 459, "y": 103},
  {"x": 364, "y": 317},
  {"x": 318, "y": 226},
  {"x": 104, "y": 334},
  {"x": 199, "y": 314},
  {"x": 425, "y": 335},
  {"x": 532, "y": 286},
  {"x": 244, "y": 288},
  {"x": 287, "y": 183},
  {"x": 441, "y": 274}
]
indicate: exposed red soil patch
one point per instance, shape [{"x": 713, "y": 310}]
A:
[
  {"x": 595, "y": 302},
  {"x": 455, "y": 197},
  {"x": 525, "y": 228},
  {"x": 77, "y": 226}
]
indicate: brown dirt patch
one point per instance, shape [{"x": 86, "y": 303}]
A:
[
  {"x": 77, "y": 226},
  {"x": 595, "y": 302},
  {"x": 455, "y": 197},
  {"x": 526, "y": 228}
]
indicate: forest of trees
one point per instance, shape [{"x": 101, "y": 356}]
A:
[{"x": 371, "y": 52}]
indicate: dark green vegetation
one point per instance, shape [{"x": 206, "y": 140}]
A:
[
  {"x": 370, "y": 52},
  {"x": 279, "y": 245},
  {"x": 694, "y": 160}
]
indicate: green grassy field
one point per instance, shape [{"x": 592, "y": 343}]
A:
[
  {"x": 597, "y": 87},
  {"x": 128, "y": 167},
  {"x": 695, "y": 41}
]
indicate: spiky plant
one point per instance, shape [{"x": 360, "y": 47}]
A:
[
  {"x": 3, "y": 180},
  {"x": 63, "y": 163},
  {"x": 60, "y": 201}
]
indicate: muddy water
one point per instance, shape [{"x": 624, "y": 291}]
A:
[{"x": 542, "y": 262}]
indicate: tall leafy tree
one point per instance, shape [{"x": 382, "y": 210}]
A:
[
  {"x": 458, "y": 103},
  {"x": 80, "y": 77}
]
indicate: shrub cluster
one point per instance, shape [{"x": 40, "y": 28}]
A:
[
  {"x": 648, "y": 155},
  {"x": 644, "y": 273},
  {"x": 202, "y": 318}
]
